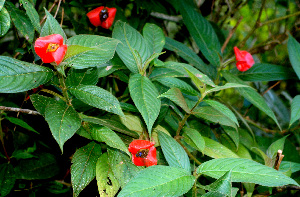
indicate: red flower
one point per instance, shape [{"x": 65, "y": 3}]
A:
[
  {"x": 50, "y": 48},
  {"x": 102, "y": 16},
  {"x": 143, "y": 153},
  {"x": 244, "y": 59}
]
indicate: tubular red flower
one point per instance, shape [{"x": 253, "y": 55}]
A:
[
  {"x": 143, "y": 153},
  {"x": 102, "y": 16},
  {"x": 50, "y": 48},
  {"x": 244, "y": 59}
]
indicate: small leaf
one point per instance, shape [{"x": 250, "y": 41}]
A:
[
  {"x": 294, "y": 54},
  {"x": 275, "y": 146},
  {"x": 288, "y": 165},
  {"x": 32, "y": 14},
  {"x": 63, "y": 121},
  {"x": 195, "y": 137},
  {"x": 97, "y": 97},
  {"x": 159, "y": 181},
  {"x": 18, "y": 76},
  {"x": 216, "y": 150},
  {"x": 154, "y": 36},
  {"x": 83, "y": 169},
  {"x": 4, "y": 21},
  {"x": 21, "y": 123},
  {"x": 7, "y": 178},
  {"x": 295, "y": 110},
  {"x": 233, "y": 134},
  {"x": 144, "y": 95},
  {"x": 245, "y": 170},
  {"x": 226, "y": 86},
  {"x": 173, "y": 152}
]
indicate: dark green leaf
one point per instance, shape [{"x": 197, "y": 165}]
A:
[
  {"x": 154, "y": 36},
  {"x": 294, "y": 54},
  {"x": 4, "y": 21},
  {"x": 40, "y": 102},
  {"x": 216, "y": 150},
  {"x": 21, "y": 123},
  {"x": 295, "y": 110},
  {"x": 78, "y": 77},
  {"x": 7, "y": 178},
  {"x": 275, "y": 146},
  {"x": 32, "y": 14}
]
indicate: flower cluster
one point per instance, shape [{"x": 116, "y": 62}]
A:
[
  {"x": 102, "y": 16},
  {"x": 143, "y": 153},
  {"x": 244, "y": 59}
]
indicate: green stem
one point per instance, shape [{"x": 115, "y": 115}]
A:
[
  {"x": 54, "y": 94},
  {"x": 280, "y": 18},
  {"x": 188, "y": 152},
  {"x": 64, "y": 88}
]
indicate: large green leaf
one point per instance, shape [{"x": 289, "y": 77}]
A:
[
  {"x": 295, "y": 110},
  {"x": 18, "y": 76},
  {"x": 4, "y": 21},
  {"x": 63, "y": 121},
  {"x": 144, "y": 95},
  {"x": 133, "y": 49},
  {"x": 83, "y": 169},
  {"x": 154, "y": 36},
  {"x": 173, "y": 152},
  {"x": 266, "y": 72},
  {"x": 89, "y": 50},
  {"x": 216, "y": 150},
  {"x": 21, "y": 21},
  {"x": 7, "y": 178},
  {"x": 159, "y": 181},
  {"x": 97, "y": 97},
  {"x": 186, "y": 53},
  {"x": 294, "y": 54},
  {"x": 251, "y": 95},
  {"x": 245, "y": 170},
  {"x": 32, "y": 14},
  {"x": 78, "y": 77},
  {"x": 202, "y": 32},
  {"x": 40, "y": 102}
]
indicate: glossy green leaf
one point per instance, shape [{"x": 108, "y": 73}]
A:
[
  {"x": 97, "y": 97},
  {"x": 83, "y": 168},
  {"x": 89, "y": 50},
  {"x": 266, "y": 72},
  {"x": 21, "y": 123},
  {"x": 4, "y": 21},
  {"x": 63, "y": 121},
  {"x": 202, "y": 32},
  {"x": 159, "y": 181},
  {"x": 252, "y": 96},
  {"x": 132, "y": 44},
  {"x": 216, "y": 150},
  {"x": 40, "y": 102},
  {"x": 294, "y": 54},
  {"x": 173, "y": 152},
  {"x": 226, "y": 86},
  {"x": 107, "y": 183},
  {"x": 154, "y": 37},
  {"x": 186, "y": 53},
  {"x": 21, "y": 21},
  {"x": 175, "y": 95},
  {"x": 7, "y": 178},
  {"x": 144, "y": 95},
  {"x": 51, "y": 26},
  {"x": 32, "y": 14},
  {"x": 78, "y": 77},
  {"x": 275, "y": 146},
  {"x": 195, "y": 137},
  {"x": 122, "y": 166},
  {"x": 233, "y": 134},
  {"x": 245, "y": 170},
  {"x": 295, "y": 110},
  {"x": 18, "y": 76}
]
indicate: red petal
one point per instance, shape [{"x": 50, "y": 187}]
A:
[
  {"x": 239, "y": 56},
  {"x": 136, "y": 145},
  {"x": 138, "y": 161},
  {"x": 111, "y": 17},
  {"x": 94, "y": 16},
  {"x": 243, "y": 66},
  {"x": 59, "y": 54},
  {"x": 151, "y": 158}
]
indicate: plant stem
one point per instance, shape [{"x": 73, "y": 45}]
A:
[
  {"x": 64, "y": 89},
  {"x": 279, "y": 18},
  {"x": 26, "y": 111},
  {"x": 188, "y": 152},
  {"x": 54, "y": 94}
]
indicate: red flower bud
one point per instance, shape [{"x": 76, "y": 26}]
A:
[
  {"x": 244, "y": 59},
  {"x": 143, "y": 153},
  {"x": 102, "y": 16},
  {"x": 50, "y": 48}
]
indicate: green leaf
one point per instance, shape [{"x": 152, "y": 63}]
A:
[
  {"x": 40, "y": 102},
  {"x": 63, "y": 121},
  {"x": 122, "y": 166},
  {"x": 294, "y": 54},
  {"x": 44, "y": 166},
  {"x": 106, "y": 135},
  {"x": 186, "y": 53},
  {"x": 21, "y": 21},
  {"x": 252, "y": 96},
  {"x": 288, "y": 165},
  {"x": 107, "y": 183},
  {"x": 32, "y": 14},
  {"x": 245, "y": 170},
  {"x": 4, "y": 21},
  {"x": 159, "y": 181},
  {"x": 226, "y": 86},
  {"x": 1, "y": 4},
  {"x": 21, "y": 123},
  {"x": 131, "y": 41},
  {"x": 268, "y": 161},
  {"x": 7, "y": 178},
  {"x": 233, "y": 134},
  {"x": 51, "y": 26},
  {"x": 89, "y": 50},
  {"x": 97, "y": 97},
  {"x": 175, "y": 95},
  {"x": 295, "y": 110},
  {"x": 266, "y": 72},
  {"x": 195, "y": 137},
  {"x": 83, "y": 169},
  {"x": 275, "y": 146},
  {"x": 216, "y": 150},
  {"x": 18, "y": 76},
  {"x": 211, "y": 114},
  {"x": 144, "y": 95},
  {"x": 133, "y": 123},
  {"x": 173, "y": 152},
  {"x": 202, "y": 32},
  {"x": 223, "y": 109},
  {"x": 78, "y": 77},
  {"x": 154, "y": 37}
]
